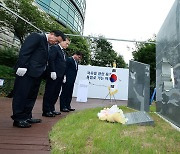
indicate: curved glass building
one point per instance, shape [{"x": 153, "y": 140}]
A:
[{"x": 70, "y": 13}]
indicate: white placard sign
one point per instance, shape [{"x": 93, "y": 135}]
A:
[
  {"x": 82, "y": 91},
  {"x": 1, "y": 82},
  {"x": 99, "y": 81}
]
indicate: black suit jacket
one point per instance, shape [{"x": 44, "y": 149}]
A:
[
  {"x": 56, "y": 61},
  {"x": 71, "y": 70},
  {"x": 33, "y": 54}
]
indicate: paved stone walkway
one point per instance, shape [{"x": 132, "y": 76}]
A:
[{"x": 35, "y": 140}]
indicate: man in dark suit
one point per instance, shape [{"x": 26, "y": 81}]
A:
[
  {"x": 31, "y": 64},
  {"x": 70, "y": 77},
  {"x": 56, "y": 69}
]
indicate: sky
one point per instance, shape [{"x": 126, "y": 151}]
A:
[{"x": 125, "y": 19}]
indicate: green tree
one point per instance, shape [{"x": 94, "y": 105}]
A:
[
  {"x": 28, "y": 11},
  {"x": 79, "y": 44},
  {"x": 45, "y": 22},
  {"x": 103, "y": 54},
  {"x": 120, "y": 63},
  {"x": 146, "y": 53}
]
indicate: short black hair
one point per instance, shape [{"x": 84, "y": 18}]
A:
[
  {"x": 68, "y": 38},
  {"x": 59, "y": 33},
  {"x": 79, "y": 53}
]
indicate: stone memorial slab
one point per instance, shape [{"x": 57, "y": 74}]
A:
[
  {"x": 140, "y": 118},
  {"x": 168, "y": 67},
  {"x": 139, "y": 86}
]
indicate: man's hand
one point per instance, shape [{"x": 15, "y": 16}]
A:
[
  {"x": 53, "y": 75},
  {"x": 64, "y": 80},
  {"x": 21, "y": 71}
]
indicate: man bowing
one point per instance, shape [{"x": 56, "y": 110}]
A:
[{"x": 31, "y": 64}]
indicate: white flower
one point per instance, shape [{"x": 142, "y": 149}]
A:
[{"x": 113, "y": 114}]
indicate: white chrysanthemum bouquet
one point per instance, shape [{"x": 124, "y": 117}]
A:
[{"x": 113, "y": 114}]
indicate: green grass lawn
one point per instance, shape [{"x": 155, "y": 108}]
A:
[{"x": 83, "y": 133}]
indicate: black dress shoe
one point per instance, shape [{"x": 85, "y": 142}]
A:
[
  {"x": 56, "y": 113},
  {"x": 21, "y": 124},
  {"x": 48, "y": 114},
  {"x": 64, "y": 110},
  {"x": 32, "y": 121},
  {"x": 70, "y": 109}
]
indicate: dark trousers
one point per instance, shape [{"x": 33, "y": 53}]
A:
[
  {"x": 51, "y": 94},
  {"x": 25, "y": 93},
  {"x": 66, "y": 95}
]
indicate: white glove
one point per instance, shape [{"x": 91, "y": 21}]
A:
[
  {"x": 21, "y": 71},
  {"x": 64, "y": 80},
  {"x": 53, "y": 75}
]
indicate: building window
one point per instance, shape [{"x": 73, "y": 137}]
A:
[
  {"x": 70, "y": 19},
  {"x": 54, "y": 6},
  {"x": 58, "y": 2},
  {"x": 44, "y": 4},
  {"x": 64, "y": 5},
  {"x": 66, "y": 12},
  {"x": 71, "y": 12}
]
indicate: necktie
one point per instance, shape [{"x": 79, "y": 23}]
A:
[
  {"x": 76, "y": 64},
  {"x": 64, "y": 54},
  {"x": 48, "y": 48}
]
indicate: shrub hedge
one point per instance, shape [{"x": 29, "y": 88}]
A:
[
  {"x": 7, "y": 74},
  {"x": 8, "y": 56}
]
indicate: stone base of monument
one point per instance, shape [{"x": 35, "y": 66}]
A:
[{"x": 139, "y": 118}]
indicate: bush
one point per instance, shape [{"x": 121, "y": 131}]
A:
[
  {"x": 6, "y": 72},
  {"x": 7, "y": 88},
  {"x": 8, "y": 75},
  {"x": 8, "y": 56}
]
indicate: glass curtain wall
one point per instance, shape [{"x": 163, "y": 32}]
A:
[{"x": 70, "y": 13}]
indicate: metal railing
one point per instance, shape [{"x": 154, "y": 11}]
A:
[
  {"x": 7, "y": 88},
  {"x": 114, "y": 39}
]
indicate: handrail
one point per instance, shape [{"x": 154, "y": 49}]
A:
[{"x": 113, "y": 39}]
